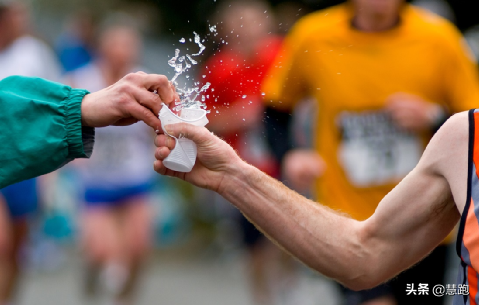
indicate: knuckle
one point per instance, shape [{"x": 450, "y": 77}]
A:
[
  {"x": 130, "y": 77},
  {"x": 158, "y": 154},
  {"x": 133, "y": 78},
  {"x": 125, "y": 88},
  {"x": 163, "y": 80}
]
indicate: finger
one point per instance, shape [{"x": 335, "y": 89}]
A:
[
  {"x": 163, "y": 140},
  {"x": 161, "y": 84},
  {"x": 144, "y": 114},
  {"x": 394, "y": 106},
  {"x": 197, "y": 134},
  {"x": 162, "y": 153},
  {"x": 148, "y": 99},
  {"x": 405, "y": 116},
  {"x": 159, "y": 167}
]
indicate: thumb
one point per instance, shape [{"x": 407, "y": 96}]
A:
[{"x": 184, "y": 130}]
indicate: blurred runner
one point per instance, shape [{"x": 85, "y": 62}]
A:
[
  {"x": 20, "y": 54},
  {"x": 117, "y": 179},
  {"x": 236, "y": 72},
  {"x": 385, "y": 76}
]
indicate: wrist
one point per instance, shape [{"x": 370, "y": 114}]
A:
[
  {"x": 237, "y": 174},
  {"x": 85, "y": 111}
]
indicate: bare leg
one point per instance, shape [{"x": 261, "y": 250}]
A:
[
  {"x": 6, "y": 248},
  {"x": 116, "y": 241},
  {"x": 13, "y": 235},
  {"x": 136, "y": 230},
  {"x": 260, "y": 264},
  {"x": 101, "y": 243}
]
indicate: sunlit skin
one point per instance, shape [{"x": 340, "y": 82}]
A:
[{"x": 407, "y": 225}]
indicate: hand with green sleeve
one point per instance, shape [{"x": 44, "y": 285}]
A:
[{"x": 44, "y": 125}]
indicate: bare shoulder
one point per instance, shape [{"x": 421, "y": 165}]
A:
[
  {"x": 454, "y": 131},
  {"x": 449, "y": 143},
  {"x": 447, "y": 155}
]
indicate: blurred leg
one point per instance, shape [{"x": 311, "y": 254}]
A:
[
  {"x": 6, "y": 248},
  {"x": 136, "y": 229},
  {"x": 101, "y": 243},
  {"x": 12, "y": 236},
  {"x": 19, "y": 235},
  {"x": 259, "y": 259}
]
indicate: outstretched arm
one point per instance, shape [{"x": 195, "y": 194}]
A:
[
  {"x": 44, "y": 125},
  {"x": 414, "y": 218}
]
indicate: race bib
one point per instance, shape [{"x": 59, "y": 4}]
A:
[
  {"x": 111, "y": 151},
  {"x": 374, "y": 151}
]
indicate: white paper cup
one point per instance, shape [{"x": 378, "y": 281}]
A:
[{"x": 183, "y": 157}]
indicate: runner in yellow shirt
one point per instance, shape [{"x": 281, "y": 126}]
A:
[{"x": 384, "y": 74}]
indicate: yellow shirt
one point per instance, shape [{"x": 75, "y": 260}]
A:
[{"x": 351, "y": 74}]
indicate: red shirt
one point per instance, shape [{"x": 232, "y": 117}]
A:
[{"x": 233, "y": 76}]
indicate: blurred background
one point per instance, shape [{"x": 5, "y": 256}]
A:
[{"x": 201, "y": 251}]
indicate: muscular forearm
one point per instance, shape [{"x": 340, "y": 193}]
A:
[{"x": 326, "y": 241}]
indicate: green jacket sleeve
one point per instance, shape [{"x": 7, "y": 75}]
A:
[{"x": 40, "y": 128}]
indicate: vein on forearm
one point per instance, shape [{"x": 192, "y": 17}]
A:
[{"x": 317, "y": 235}]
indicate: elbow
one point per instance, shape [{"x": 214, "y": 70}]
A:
[
  {"x": 365, "y": 270},
  {"x": 365, "y": 283},
  {"x": 366, "y": 279}
]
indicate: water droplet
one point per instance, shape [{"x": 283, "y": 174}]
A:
[
  {"x": 244, "y": 96},
  {"x": 182, "y": 40},
  {"x": 204, "y": 76}
]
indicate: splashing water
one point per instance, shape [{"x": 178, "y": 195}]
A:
[{"x": 182, "y": 64}]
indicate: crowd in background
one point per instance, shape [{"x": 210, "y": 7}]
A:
[{"x": 117, "y": 212}]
